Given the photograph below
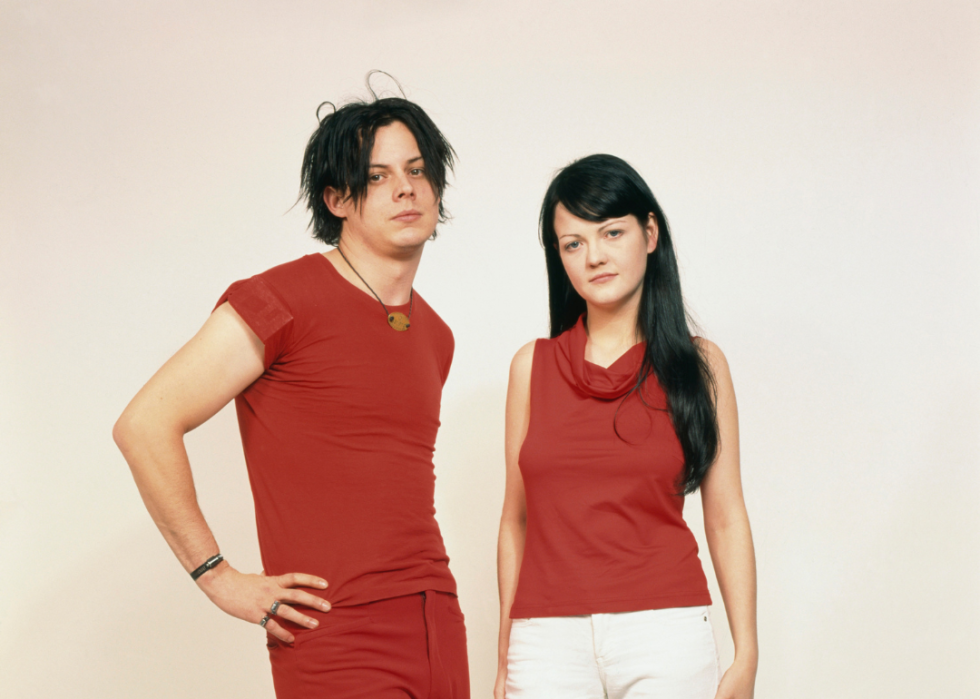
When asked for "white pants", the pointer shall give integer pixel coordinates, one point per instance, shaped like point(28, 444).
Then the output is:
point(662, 653)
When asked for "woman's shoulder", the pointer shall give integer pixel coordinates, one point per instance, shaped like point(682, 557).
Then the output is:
point(524, 355)
point(713, 355)
point(707, 347)
point(520, 365)
point(526, 350)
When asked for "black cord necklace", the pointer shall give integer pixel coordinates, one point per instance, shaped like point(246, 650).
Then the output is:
point(398, 321)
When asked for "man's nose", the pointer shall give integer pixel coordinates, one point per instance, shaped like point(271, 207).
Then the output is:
point(405, 187)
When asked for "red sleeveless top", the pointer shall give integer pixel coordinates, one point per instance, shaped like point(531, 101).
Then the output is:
point(605, 530)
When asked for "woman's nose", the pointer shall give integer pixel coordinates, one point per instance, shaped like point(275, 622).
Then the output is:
point(596, 255)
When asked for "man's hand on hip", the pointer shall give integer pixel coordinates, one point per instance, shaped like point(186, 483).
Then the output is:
point(253, 597)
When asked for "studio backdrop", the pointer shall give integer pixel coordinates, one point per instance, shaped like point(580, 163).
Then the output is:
point(817, 162)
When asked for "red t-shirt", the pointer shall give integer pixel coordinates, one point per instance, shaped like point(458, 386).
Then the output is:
point(605, 530)
point(339, 433)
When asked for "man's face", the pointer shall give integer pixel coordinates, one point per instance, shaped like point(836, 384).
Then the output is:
point(400, 210)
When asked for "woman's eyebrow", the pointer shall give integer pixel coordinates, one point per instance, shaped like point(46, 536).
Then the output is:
point(614, 222)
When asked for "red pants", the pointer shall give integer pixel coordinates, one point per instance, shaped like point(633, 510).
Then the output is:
point(405, 647)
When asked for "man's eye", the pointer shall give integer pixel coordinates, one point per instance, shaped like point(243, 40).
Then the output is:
point(375, 178)
point(417, 171)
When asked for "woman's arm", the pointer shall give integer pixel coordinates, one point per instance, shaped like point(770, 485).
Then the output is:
point(726, 526)
point(510, 543)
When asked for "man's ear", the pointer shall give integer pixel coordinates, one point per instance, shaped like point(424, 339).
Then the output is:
point(337, 202)
point(653, 233)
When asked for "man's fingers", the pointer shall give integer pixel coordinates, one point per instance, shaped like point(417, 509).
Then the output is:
point(306, 599)
point(302, 580)
point(291, 584)
point(287, 612)
point(279, 632)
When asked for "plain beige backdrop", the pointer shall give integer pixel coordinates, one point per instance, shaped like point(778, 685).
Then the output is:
point(819, 163)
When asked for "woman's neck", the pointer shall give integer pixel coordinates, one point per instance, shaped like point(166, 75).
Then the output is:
point(611, 332)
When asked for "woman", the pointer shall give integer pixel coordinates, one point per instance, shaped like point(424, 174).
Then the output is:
point(610, 422)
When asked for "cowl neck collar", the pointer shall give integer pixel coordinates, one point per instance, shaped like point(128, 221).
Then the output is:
point(591, 379)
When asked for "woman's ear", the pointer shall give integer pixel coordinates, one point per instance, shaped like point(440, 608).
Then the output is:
point(336, 202)
point(652, 231)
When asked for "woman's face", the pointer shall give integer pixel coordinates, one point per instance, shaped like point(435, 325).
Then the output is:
point(605, 260)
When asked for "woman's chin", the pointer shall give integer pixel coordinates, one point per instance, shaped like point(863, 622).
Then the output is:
point(608, 302)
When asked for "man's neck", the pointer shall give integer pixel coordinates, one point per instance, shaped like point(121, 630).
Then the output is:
point(390, 277)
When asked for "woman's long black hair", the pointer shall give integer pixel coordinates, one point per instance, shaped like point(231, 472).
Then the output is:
point(600, 187)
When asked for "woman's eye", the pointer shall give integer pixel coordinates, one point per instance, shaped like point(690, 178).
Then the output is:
point(614, 234)
point(572, 245)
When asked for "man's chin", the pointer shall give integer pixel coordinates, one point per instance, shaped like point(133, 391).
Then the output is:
point(411, 238)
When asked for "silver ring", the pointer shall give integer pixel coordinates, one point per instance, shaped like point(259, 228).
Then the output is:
point(274, 608)
point(265, 620)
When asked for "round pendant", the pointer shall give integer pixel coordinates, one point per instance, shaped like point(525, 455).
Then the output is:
point(399, 321)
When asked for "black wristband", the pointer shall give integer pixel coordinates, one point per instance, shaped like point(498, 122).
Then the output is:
point(206, 566)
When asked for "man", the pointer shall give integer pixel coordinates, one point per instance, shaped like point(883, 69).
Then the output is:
point(336, 367)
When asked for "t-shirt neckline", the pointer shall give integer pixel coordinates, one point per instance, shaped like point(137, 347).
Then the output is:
point(366, 295)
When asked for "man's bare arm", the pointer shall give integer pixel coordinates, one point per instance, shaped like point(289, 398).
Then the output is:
point(218, 363)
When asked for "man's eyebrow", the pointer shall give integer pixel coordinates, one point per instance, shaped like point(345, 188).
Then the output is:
point(385, 167)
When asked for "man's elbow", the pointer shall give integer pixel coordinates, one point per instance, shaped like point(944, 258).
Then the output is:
point(123, 432)
point(130, 429)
